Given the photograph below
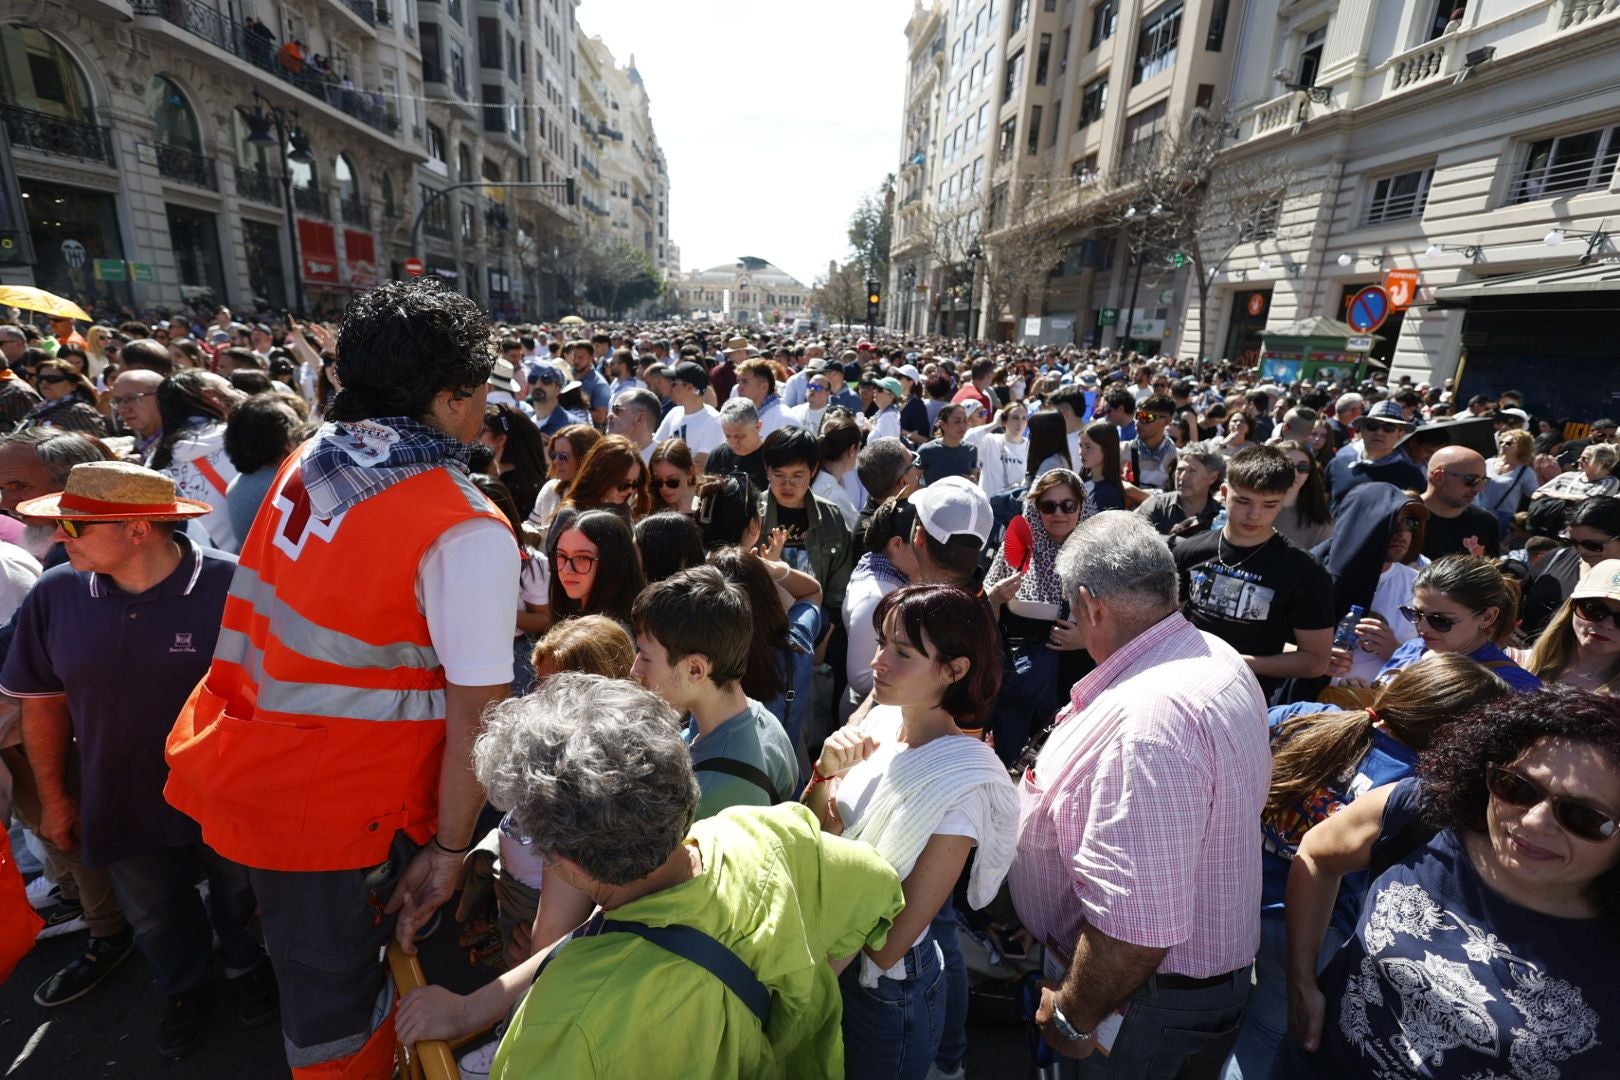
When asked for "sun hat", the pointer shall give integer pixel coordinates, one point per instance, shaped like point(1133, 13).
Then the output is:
point(115, 491)
point(736, 343)
point(952, 509)
point(503, 376)
point(1602, 581)
point(1387, 411)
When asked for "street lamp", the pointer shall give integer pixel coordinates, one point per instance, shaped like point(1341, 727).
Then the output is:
point(293, 144)
point(974, 254)
point(910, 279)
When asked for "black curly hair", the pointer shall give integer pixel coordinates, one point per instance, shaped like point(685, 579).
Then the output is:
point(1452, 770)
point(405, 341)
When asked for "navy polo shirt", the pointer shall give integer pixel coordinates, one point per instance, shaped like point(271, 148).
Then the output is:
point(127, 663)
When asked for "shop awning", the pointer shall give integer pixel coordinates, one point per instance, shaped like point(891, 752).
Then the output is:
point(1602, 276)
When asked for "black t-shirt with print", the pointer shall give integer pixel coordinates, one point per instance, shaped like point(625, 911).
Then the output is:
point(1253, 598)
point(1445, 536)
point(723, 461)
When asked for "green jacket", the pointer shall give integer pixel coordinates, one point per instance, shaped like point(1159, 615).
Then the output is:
point(827, 542)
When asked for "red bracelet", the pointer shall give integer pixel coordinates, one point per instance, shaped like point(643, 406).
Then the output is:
point(816, 777)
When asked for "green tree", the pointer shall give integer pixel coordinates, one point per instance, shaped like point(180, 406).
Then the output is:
point(871, 227)
point(622, 277)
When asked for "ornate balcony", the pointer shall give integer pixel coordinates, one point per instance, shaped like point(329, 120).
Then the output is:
point(311, 201)
point(259, 186)
point(178, 163)
point(54, 135)
point(355, 212)
point(363, 8)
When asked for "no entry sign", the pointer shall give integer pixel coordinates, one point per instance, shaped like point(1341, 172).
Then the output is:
point(414, 267)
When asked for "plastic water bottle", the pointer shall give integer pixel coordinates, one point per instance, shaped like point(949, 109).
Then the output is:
point(1219, 521)
point(1344, 635)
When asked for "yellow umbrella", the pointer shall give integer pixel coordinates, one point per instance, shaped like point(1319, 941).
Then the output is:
point(31, 299)
point(571, 320)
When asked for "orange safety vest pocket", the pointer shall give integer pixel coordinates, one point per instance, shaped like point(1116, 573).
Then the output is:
point(261, 772)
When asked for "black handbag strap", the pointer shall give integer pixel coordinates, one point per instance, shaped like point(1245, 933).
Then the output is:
point(713, 956)
point(742, 770)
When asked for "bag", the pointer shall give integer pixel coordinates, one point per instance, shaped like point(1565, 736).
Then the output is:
point(743, 771)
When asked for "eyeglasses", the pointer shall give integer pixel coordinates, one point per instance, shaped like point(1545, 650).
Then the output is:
point(1472, 480)
point(1378, 427)
point(1594, 610)
point(119, 402)
point(576, 564)
point(669, 483)
point(1573, 816)
point(1443, 624)
point(1594, 546)
point(1056, 506)
point(74, 527)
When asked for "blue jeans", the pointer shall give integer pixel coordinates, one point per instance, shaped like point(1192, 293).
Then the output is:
point(1265, 1021)
point(953, 1039)
point(158, 892)
point(892, 1030)
point(1029, 693)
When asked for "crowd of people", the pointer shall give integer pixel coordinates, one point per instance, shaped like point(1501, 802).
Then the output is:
point(750, 689)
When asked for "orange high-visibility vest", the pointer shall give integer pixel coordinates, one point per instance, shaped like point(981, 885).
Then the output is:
point(319, 728)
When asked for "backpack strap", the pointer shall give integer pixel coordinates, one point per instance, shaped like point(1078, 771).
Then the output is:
point(743, 771)
point(692, 944)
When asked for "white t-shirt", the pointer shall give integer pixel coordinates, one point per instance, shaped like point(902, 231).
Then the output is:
point(1394, 589)
point(18, 572)
point(861, 597)
point(1002, 464)
point(700, 430)
point(546, 504)
point(831, 488)
point(470, 572)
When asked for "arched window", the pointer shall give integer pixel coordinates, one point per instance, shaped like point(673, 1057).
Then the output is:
point(346, 179)
point(37, 73)
point(304, 175)
point(171, 112)
point(250, 156)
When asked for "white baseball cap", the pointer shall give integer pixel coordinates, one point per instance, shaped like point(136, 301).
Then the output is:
point(952, 507)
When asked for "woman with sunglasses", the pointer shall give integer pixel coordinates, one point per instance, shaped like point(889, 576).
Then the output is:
point(1024, 592)
point(611, 476)
point(594, 569)
point(1323, 757)
point(1304, 519)
point(1581, 646)
point(1590, 533)
point(1463, 604)
point(564, 453)
point(69, 400)
point(1510, 476)
point(1486, 945)
point(674, 476)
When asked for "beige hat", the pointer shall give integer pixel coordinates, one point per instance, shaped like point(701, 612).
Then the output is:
point(736, 343)
point(114, 491)
point(1602, 581)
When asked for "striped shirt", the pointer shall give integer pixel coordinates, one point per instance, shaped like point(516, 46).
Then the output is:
point(1141, 815)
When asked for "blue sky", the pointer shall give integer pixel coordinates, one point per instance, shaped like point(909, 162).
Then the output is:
point(774, 117)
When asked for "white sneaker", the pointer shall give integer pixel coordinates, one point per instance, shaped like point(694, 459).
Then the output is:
point(43, 892)
point(476, 1063)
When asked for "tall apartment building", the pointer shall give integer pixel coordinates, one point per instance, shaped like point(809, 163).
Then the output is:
point(1478, 151)
point(1028, 110)
point(634, 173)
point(144, 142)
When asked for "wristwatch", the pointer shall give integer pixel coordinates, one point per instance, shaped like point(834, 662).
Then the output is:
point(1068, 1030)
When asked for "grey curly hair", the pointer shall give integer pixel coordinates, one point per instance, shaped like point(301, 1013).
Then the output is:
point(594, 770)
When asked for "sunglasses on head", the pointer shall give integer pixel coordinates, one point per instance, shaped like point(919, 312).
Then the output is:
point(1573, 816)
point(1594, 546)
point(1443, 624)
point(1594, 610)
point(1057, 506)
point(74, 527)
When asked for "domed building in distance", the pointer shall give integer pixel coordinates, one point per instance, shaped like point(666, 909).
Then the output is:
point(750, 290)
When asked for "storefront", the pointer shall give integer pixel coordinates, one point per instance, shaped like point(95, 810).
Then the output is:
point(1549, 334)
point(194, 236)
point(1250, 308)
point(266, 275)
point(72, 229)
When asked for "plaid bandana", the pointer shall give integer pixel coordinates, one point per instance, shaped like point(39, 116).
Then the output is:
point(350, 462)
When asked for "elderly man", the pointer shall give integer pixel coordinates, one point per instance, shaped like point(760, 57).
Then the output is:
point(1456, 526)
point(595, 771)
point(634, 414)
point(1138, 858)
point(35, 462)
point(16, 396)
point(740, 423)
point(1376, 456)
point(135, 402)
point(88, 681)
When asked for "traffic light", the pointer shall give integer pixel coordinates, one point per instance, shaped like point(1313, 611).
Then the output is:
point(1179, 260)
point(874, 297)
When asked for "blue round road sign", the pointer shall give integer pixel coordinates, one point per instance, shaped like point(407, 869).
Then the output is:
point(1368, 309)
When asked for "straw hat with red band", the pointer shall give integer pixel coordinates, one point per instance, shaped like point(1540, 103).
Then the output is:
point(115, 491)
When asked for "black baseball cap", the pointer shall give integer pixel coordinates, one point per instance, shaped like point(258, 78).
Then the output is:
point(692, 374)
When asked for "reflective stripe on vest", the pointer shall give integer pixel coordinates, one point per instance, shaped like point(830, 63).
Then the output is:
point(324, 699)
point(323, 643)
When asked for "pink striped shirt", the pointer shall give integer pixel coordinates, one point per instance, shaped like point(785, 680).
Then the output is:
point(1142, 813)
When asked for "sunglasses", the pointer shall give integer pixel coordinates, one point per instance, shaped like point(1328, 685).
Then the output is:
point(577, 564)
point(52, 378)
point(1149, 417)
point(1411, 525)
point(1594, 546)
point(1055, 506)
point(669, 483)
point(1442, 623)
point(1594, 610)
point(1472, 480)
point(1575, 817)
point(627, 487)
point(74, 527)
point(1378, 427)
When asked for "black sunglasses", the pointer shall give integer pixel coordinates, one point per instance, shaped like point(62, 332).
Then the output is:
point(74, 527)
point(1442, 623)
point(1594, 546)
point(1575, 817)
point(1377, 426)
point(52, 377)
point(669, 483)
point(1594, 610)
point(1056, 506)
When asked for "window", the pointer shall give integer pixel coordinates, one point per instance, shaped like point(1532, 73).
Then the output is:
point(435, 141)
point(432, 53)
point(1084, 171)
point(1216, 37)
point(464, 165)
point(1063, 52)
point(1057, 124)
point(978, 172)
point(1262, 224)
point(1043, 59)
point(1567, 164)
point(1104, 19)
point(1441, 17)
point(1399, 197)
point(1009, 136)
point(1093, 99)
point(489, 44)
point(1142, 133)
point(458, 71)
point(1020, 15)
point(1014, 76)
point(1033, 142)
point(1310, 56)
point(1156, 43)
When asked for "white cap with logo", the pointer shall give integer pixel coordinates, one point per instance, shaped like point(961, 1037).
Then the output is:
point(953, 507)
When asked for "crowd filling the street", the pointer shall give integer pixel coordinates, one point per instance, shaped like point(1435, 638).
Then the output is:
point(752, 703)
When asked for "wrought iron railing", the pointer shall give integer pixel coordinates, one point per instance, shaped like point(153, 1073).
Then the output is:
point(363, 8)
point(258, 186)
point(311, 201)
point(355, 212)
point(199, 19)
point(178, 163)
point(436, 228)
point(54, 135)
